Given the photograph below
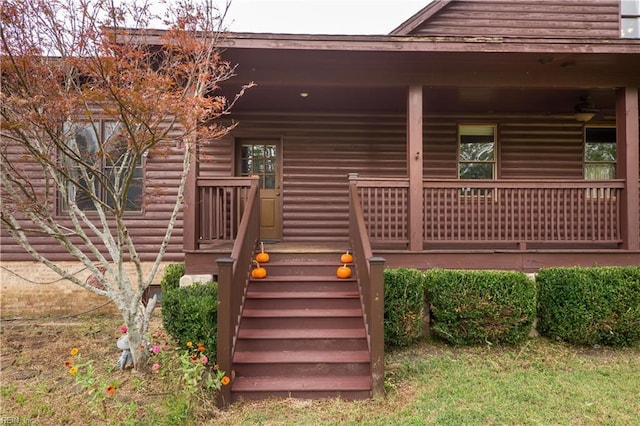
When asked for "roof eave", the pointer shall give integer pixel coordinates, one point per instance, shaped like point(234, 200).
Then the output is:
point(422, 15)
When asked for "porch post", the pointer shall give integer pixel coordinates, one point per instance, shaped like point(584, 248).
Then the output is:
point(414, 166)
point(628, 165)
point(224, 355)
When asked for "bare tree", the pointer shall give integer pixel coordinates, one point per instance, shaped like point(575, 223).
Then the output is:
point(88, 90)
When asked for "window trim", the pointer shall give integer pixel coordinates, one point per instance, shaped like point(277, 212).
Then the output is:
point(631, 15)
point(585, 162)
point(595, 193)
point(480, 192)
point(493, 162)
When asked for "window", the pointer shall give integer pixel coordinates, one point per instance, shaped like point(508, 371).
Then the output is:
point(630, 18)
point(102, 147)
point(600, 153)
point(260, 160)
point(477, 151)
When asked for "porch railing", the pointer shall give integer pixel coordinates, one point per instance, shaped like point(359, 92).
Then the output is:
point(503, 211)
point(232, 282)
point(370, 273)
point(220, 205)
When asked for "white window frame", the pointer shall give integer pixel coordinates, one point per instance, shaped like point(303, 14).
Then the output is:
point(630, 19)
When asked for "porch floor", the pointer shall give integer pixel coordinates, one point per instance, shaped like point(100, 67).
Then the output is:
point(529, 259)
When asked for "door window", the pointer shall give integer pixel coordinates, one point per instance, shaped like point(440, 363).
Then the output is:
point(259, 160)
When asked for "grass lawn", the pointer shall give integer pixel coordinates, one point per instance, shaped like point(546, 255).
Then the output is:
point(539, 382)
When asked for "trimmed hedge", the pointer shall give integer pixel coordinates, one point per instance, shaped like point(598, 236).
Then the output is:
point(588, 306)
point(478, 307)
point(171, 277)
point(403, 306)
point(191, 314)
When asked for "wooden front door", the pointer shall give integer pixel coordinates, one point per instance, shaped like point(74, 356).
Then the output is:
point(261, 157)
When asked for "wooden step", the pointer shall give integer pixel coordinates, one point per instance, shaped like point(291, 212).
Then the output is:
point(301, 333)
point(263, 387)
point(307, 357)
point(301, 343)
point(301, 294)
point(303, 268)
point(301, 322)
point(328, 285)
point(297, 278)
point(307, 383)
point(301, 313)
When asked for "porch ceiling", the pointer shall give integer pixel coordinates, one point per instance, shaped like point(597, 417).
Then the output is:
point(472, 82)
point(437, 100)
point(473, 68)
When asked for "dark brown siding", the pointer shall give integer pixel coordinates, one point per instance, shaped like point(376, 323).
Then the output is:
point(521, 18)
point(162, 173)
point(216, 157)
point(318, 154)
point(320, 151)
point(533, 148)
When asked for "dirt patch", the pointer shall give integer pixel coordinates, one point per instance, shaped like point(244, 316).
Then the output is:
point(37, 386)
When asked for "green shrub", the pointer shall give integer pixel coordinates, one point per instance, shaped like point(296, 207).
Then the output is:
point(190, 314)
point(477, 307)
point(403, 306)
point(171, 277)
point(588, 306)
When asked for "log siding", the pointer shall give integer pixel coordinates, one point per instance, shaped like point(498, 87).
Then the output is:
point(580, 19)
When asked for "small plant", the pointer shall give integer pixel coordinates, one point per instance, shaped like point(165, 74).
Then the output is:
point(171, 277)
point(191, 314)
point(188, 367)
point(98, 390)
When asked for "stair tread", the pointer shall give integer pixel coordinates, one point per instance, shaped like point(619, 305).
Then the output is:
point(304, 278)
point(301, 294)
point(303, 262)
point(302, 333)
point(301, 383)
point(334, 356)
point(304, 312)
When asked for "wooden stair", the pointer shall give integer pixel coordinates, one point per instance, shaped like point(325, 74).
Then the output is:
point(302, 333)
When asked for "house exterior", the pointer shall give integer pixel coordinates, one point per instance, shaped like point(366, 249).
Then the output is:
point(461, 126)
point(478, 134)
point(407, 112)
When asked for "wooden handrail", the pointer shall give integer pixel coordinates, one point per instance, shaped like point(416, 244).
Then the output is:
point(233, 275)
point(370, 274)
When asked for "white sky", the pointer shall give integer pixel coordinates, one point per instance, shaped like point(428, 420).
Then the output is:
point(320, 16)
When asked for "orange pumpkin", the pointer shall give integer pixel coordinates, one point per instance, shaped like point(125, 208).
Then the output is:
point(343, 272)
point(262, 257)
point(258, 272)
point(346, 258)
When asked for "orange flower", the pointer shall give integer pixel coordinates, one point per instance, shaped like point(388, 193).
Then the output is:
point(111, 390)
point(201, 348)
point(68, 363)
point(225, 380)
point(74, 351)
point(73, 371)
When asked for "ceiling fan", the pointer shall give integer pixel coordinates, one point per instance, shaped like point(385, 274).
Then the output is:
point(585, 110)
